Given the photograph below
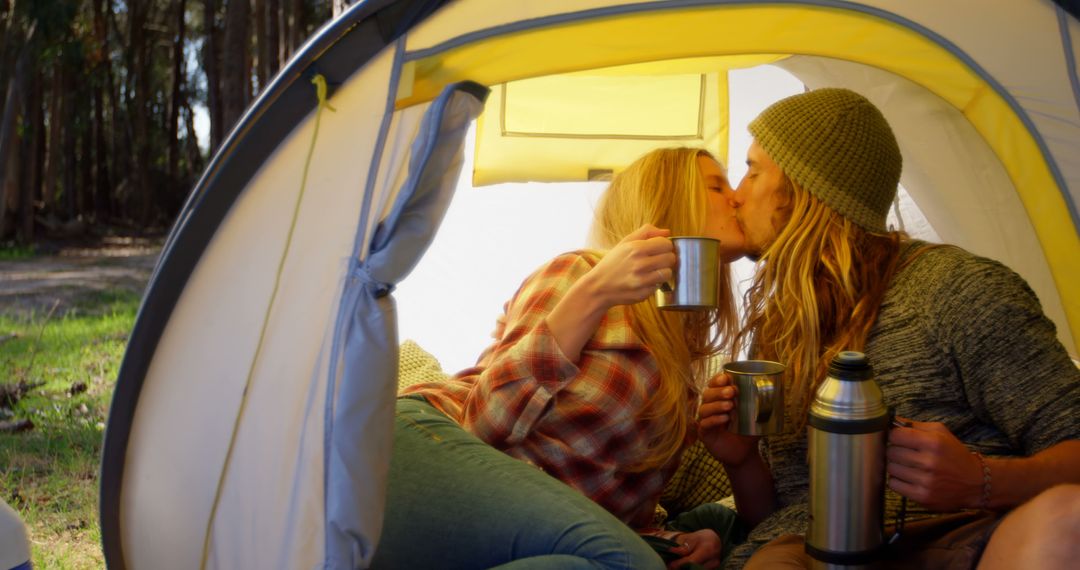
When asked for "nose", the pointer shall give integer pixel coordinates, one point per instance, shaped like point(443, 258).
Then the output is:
point(738, 198)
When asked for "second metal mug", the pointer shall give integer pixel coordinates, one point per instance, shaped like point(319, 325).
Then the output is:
point(759, 406)
point(695, 281)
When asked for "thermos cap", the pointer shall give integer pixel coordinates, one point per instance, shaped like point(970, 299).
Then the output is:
point(851, 366)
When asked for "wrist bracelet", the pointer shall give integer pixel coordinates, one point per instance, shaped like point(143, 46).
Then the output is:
point(984, 503)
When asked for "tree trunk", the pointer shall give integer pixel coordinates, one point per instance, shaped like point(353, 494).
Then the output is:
point(13, 97)
point(8, 37)
point(234, 70)
point(140, 113)
point(298, 29)
point(87, 206)
point(213, 78)
point(9, 186)
point(54, 142)
point(193, 156)
point(101, 157)
point(120, 134)
point(284, 16)
point(34, 163)
point(172, 126)
point(103, 83)
point(262, 49)
point(249, 60)
point(273, 37)
point(68, 135)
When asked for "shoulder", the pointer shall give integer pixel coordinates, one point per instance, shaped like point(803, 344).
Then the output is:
point(561, 271)
point(542, 290)
point(549, 282)
point(949, 273)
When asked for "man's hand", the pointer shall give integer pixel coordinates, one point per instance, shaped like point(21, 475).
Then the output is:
point(714, 416)
point(699, 547)
point(928, 464)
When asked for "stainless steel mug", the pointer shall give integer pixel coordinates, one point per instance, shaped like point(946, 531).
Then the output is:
point(696, 279)
point(847, 432)
point(759, 406)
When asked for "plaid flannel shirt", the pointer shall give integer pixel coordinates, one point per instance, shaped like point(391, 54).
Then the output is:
point(575, 421)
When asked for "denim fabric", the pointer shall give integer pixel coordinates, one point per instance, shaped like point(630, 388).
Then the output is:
point(456, 502)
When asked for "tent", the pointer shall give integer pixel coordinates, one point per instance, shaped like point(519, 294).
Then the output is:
point(250, 423)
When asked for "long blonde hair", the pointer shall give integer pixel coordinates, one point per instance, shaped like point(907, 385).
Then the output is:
point(817, 292)
point(666, 188)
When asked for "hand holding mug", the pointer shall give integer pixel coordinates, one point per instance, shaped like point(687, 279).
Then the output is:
point(632, 270)
point(715, 416)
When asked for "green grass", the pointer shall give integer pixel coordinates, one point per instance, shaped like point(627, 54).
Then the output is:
point(49, 473)
point(12, 252)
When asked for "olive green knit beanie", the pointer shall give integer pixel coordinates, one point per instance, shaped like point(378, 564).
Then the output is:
point(838, 146)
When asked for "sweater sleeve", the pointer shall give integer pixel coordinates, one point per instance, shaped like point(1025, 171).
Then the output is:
point(1015, 373)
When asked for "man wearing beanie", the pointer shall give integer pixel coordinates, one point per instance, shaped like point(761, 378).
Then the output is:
point(958, 343)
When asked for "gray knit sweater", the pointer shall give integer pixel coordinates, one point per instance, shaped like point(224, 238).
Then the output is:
point(961, 340)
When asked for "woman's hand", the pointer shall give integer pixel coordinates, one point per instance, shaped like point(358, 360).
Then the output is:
point(701, 547)
point(715, 415)
point(632, 270)
point(629, 273)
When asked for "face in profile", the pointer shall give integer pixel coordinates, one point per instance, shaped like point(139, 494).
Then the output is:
point(720, 222)
point(760, 201)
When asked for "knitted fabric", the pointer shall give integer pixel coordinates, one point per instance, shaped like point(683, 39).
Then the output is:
point(960, 340)
point(837, 145)
point(416, 366)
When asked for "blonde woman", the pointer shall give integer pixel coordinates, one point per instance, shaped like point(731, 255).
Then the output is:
point(553, 450)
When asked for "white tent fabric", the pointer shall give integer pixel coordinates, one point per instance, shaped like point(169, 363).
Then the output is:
point(250, 422)
point(205, 379)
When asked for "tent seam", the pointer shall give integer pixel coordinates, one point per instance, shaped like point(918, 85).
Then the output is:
point(1070, 59)
point(320, 83)
point(354, 263)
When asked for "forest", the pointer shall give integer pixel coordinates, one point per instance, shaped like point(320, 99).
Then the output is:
point(101, 103)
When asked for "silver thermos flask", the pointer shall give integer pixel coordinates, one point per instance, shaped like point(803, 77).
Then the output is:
point(847, 430)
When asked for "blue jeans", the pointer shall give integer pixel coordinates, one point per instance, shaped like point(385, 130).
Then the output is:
point(456, 502)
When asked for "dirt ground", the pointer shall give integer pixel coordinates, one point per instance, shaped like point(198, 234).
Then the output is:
point(75, 273)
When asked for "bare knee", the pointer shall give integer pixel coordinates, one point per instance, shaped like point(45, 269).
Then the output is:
point(1055, 508)
point(1042, 533)
point(1065, 495)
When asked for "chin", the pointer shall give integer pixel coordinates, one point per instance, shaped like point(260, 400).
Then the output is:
point(754, 254)
point(731, 256)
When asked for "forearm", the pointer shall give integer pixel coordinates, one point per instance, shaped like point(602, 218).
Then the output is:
point(576, 317)
point(752, 485)
point(1014, 481)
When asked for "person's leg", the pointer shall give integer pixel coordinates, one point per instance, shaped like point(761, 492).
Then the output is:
point(787, 551)
point(1042, 533)
point(722, 520)
point(456, 502)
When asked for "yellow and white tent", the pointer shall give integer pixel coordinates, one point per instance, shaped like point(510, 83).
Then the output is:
point(250, 427)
